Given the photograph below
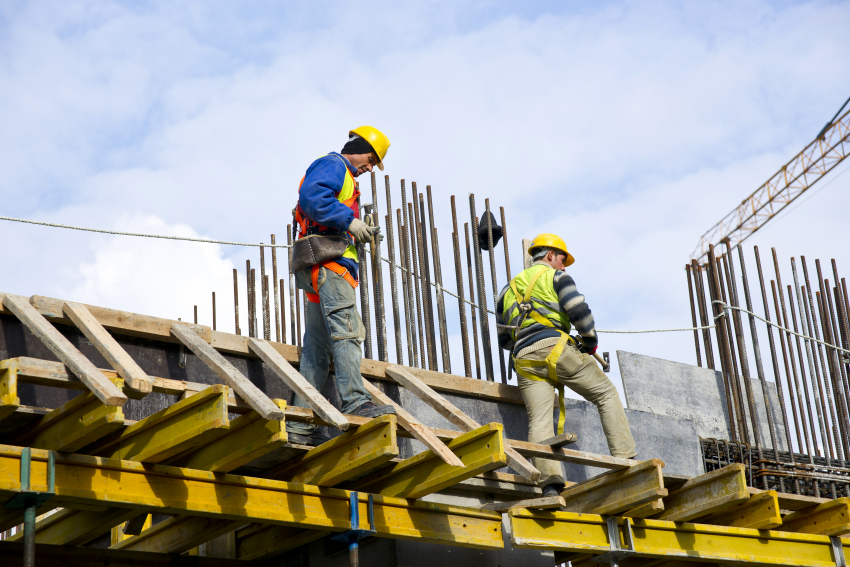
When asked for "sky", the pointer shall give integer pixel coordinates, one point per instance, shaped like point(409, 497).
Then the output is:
point(628, 128)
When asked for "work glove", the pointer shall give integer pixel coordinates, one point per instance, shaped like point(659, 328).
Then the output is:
point(361, 231)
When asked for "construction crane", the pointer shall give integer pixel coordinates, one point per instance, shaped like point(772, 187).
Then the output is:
point(826, 151)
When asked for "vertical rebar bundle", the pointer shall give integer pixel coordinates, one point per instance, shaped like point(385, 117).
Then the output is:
point(236, 302)
point(277, 310)
point(482, 293)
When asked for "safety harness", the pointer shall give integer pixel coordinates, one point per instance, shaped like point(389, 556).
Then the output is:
point(335, 268)
point(527, 309)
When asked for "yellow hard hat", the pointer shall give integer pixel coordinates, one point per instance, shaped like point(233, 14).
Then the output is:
point(376, 139)
point(551, 241)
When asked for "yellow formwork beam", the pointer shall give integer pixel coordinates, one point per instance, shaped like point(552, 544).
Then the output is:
point(78, 422)
point(352, 454)
point(760, 512)
point(249, 437)
point(170, 490)
point(830, 518)
point(257, 542)
point(178, 534)
point(673, 541)
point(481, 450)
point(709, 493)
point(77, 527)
point(9, 401)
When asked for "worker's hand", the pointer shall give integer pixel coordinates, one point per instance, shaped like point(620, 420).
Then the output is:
point(361, 231)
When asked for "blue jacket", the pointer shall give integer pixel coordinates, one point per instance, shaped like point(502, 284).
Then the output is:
point(317, 197)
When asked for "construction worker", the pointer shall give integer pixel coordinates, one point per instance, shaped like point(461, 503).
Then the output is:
point(329, 206)
point(535, 312)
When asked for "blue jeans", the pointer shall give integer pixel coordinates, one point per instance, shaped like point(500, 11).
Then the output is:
point(334, 332)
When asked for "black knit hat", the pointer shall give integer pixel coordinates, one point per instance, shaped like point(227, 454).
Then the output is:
point(488, 220)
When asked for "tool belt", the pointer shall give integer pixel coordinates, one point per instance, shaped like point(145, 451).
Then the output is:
point(315, 249)
point(551, 361)
point(335, 268)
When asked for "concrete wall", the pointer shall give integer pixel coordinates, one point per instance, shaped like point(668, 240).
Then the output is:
point(692, 393)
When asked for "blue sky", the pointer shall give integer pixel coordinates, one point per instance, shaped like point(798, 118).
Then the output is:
point(628, 128)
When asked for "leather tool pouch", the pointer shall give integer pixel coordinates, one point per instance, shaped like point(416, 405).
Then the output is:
point(315, 249)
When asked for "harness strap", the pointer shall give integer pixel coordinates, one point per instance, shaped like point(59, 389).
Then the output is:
point(525, 299)
point(335, 268)
point(551, 362)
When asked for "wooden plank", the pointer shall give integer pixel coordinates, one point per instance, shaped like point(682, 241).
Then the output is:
point(298, 384)
point(65, 351)
point(170, 490)
point(645, 510)
point(80, 421)
point(186, 425)
point(831, 518)
point(228, 373)
point(710, 493)
point(77, 527)
point(760, 512)
point(178, 534)
point(135, 379)
point(350, 455)
point(542, 503)
point(456, 416)
point(615, 492)
point(9, 400)
point(424, 434)
point(480, 450)
point(528, 449)
point(561, 440)
point(267, 541)
point(249, 437)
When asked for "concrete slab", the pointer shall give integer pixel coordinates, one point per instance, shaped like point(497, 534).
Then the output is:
point(689, 392)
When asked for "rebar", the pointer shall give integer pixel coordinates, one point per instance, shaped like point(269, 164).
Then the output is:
point(364, 300)
point(417, 284)
point(841, 315)
point(412, 281)
point(461, 304)
point(424, 279)
point(248, 289)
point(438, 279)
point(693, 313)
point(293, 310)
point(196, 314)
point(277, 310)
point(425, 259)
point(489, 217)
point(836, 378)
point(734, 377)
point(720, 330)
point(399, 352)
point(297, 293)
point(256, 329)
point(378, 279)
point(697, 271)
point(409, 315)
point(505, 244)
point(236, 302)
point(213, 310)
point(267, 334)
point(282, 315)
point(472, 297)
point(482, 293)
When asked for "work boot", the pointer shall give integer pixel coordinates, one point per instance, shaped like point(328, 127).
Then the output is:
point(313, 440)
point(552, 490)
point(369, 409)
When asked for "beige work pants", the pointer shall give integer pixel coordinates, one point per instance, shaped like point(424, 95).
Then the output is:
point(582, 375)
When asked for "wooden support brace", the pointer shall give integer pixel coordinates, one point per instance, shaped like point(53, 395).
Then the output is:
point(480, 450)
point(456, 416)
point(830, 518)
point(542, 503)
point(137, 384)
point(710, 493)
point(261, 541)
point(560, 440)
point(248, 437)
point(80, 421)
point(178, 534)
point(760, 512)
point(186, 425)
point(645, 510)
point(77, 527)
point(228, 373)
point(298, 383)
point(9, 400)
point(618, 491)
point(424, 434)
point(528, 449)
point(351, 455)
point(94, 379)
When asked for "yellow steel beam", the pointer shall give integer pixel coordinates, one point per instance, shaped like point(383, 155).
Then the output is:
point(178, 534)
point(760, 512)
point(171, 490)
point(78, 422)
point(830, 518)
point(9, 400)
point(188, 424)
point(356, 452)
point(481, 450)
point(672, 541)
point(77, 527)
point(249, 437)
point(710, 493)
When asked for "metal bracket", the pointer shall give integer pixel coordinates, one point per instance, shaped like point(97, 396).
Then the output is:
point(838, 551)
point(354, 533)
point(27, 497)
point(607, 359)
point(613, 557)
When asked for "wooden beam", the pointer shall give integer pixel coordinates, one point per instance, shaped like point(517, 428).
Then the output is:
point(760, 512)
point(424, 434)
point(248, 437)
point(561, 440)
point(830, 519)
point(65, 351)
point(228, 373)
point(542, 503)
point(80, 421)
point(135, 380)
point(178, 534)
point(455, 416)
point(710, 493)
point(9, 400)
point(480, 450)
point(354, 453)
point(261, 541)
point(68, 556)
point(298, 384)
point(618, 491)
point(77, 527)
point(527, 449)
point(170, 490)
point(646, 510)
point(186, 425)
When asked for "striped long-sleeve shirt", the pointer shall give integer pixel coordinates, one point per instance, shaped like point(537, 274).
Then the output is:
point(571, 302)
